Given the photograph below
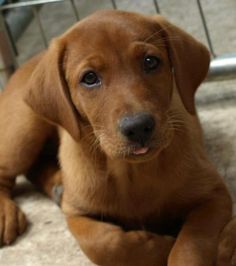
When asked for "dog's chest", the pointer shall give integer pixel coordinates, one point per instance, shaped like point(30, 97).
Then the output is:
point(124, 192)
point(134, 204)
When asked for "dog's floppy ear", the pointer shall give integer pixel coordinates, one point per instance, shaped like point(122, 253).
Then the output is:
point(189, 58)
point(47, 91)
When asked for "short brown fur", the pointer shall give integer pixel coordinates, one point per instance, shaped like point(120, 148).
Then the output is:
point(165, 207)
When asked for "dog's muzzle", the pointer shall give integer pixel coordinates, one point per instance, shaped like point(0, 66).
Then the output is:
point(137, 128)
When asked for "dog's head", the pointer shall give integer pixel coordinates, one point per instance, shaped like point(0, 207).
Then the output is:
point(114, 72)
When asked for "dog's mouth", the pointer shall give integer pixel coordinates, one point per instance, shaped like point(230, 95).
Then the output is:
point(130, 151)
point(145, 152)
point(140, 151)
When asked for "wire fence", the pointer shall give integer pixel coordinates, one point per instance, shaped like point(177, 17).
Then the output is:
point(222, 67)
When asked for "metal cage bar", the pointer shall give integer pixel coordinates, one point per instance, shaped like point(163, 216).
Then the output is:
point(76, 14)
point(114, 5)
point(28, 3)
point(204, 23)
point(156, 6)
point(8, 62)
point(40, 25)
point(222, 68)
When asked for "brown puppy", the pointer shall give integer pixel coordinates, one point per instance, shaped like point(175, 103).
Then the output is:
point(138, 186)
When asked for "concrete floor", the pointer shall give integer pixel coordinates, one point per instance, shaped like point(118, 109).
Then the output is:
point(47, 241)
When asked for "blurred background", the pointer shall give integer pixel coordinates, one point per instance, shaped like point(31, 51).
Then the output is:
point(26, 27)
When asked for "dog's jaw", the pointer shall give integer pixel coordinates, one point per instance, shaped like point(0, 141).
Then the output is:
point(117, 148)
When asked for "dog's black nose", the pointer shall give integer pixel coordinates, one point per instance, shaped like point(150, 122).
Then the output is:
point(138, 127)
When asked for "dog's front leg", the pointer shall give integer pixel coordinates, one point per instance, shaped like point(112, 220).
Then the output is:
point(196, 244)
point(108, 245)
point(227, 245)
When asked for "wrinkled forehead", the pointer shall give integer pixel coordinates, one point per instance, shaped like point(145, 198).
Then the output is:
point(111, 29)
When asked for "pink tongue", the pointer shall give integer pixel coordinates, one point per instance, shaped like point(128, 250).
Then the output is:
point(141, 150)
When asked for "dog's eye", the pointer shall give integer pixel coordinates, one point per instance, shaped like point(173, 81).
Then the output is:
point(90, 80)
point(151, 63)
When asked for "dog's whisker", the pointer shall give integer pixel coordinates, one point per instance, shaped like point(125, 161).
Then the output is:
point(156, 33)
point(161, 37)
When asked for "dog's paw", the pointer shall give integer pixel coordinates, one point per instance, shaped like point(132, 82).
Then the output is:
point(148, 238)
point(227, 245)
point(147, 248)
point(233, 260)
point(226, 257)
point(12, 221)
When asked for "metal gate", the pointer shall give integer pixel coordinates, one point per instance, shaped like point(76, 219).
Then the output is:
point(222, 66)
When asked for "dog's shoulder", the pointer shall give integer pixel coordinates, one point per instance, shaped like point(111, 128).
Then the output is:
point(19, 79)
